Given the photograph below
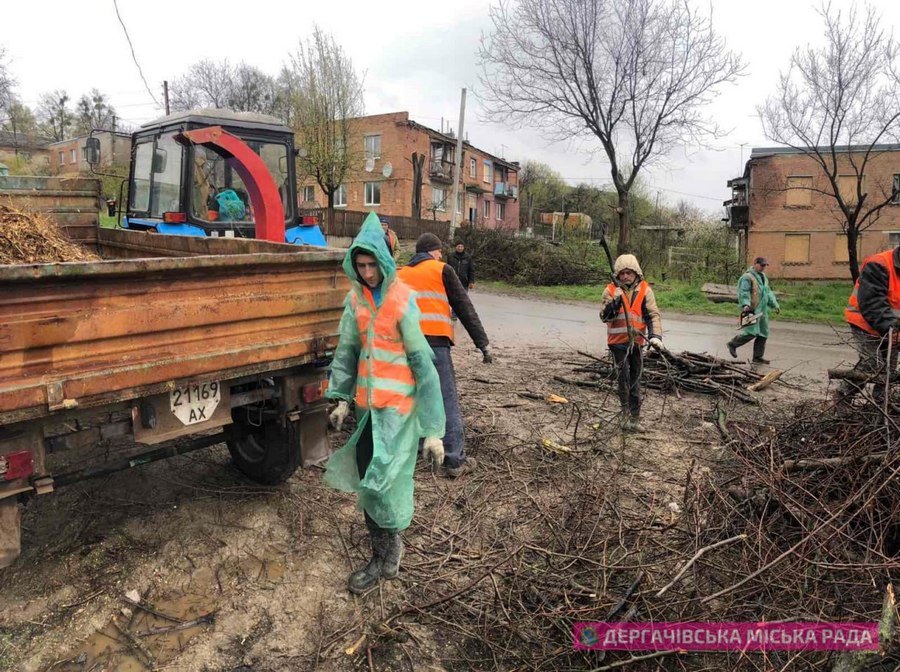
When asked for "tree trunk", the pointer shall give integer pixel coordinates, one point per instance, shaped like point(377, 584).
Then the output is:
point(329, 213)
point(852, 256)
point(623, 245)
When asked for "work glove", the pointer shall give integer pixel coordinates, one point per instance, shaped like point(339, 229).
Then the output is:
point(435, 447)
point(612, 309)
point(746, 310)
point(487, 357)
point(339, 414)
point(657, 344)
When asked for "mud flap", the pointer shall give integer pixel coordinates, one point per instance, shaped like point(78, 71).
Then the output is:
point(10, 530)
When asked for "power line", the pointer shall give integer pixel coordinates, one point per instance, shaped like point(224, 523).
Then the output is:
point(133, 56)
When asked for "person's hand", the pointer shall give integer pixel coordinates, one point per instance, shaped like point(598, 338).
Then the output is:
point(472, 286)
point(778, 309)
point(434, 447)
point(746, 310)
point(657, 344)
point(339, 414)
point(612, 309)
point(487, 357)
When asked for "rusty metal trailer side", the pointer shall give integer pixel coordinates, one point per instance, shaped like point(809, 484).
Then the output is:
point(82, 335)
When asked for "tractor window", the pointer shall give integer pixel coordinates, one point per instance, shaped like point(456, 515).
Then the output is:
point(219, 195)
point(156, 186)
point(140, 190)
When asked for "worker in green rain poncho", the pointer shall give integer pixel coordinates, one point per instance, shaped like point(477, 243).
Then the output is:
point(756, 299)
point(384, 364)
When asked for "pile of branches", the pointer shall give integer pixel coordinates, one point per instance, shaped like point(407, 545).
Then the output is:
point(688, 372)
point(532, 261)
point(32, 238)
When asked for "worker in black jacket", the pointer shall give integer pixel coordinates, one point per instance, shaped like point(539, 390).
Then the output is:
point(873, 312)
point(438, 290)
point(461, 262)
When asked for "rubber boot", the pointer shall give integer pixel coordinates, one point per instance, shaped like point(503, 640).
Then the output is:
point(390, 568)
point(363, 579)
point(634, 425)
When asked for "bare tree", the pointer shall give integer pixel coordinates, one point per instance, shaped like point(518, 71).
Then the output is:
point(252, 90)
point(839, 105)
point(328, 95)
point(7, 83)
point(94, 111)
point(20, 123)
point(54, 114)
point(243, 88)
point(634, 74)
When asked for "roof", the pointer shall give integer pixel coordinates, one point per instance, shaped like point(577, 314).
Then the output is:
point(23, 141)
point(760, 152)
point(212, 117)
point(120, 134)
point(452, 140)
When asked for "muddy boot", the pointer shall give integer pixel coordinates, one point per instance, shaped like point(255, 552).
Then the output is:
point(363, 579)
point(392, 555)
point(634, 424)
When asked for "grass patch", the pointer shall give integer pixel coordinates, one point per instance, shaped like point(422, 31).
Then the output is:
point(800, 301)
point(107, 222)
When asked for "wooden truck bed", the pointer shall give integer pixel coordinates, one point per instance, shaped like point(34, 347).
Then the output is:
point(157, 312)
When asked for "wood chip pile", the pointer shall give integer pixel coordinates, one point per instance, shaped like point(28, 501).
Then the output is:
point(32, 238)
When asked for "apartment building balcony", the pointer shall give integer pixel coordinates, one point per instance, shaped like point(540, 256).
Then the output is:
point(505, 190)
point(440, 171)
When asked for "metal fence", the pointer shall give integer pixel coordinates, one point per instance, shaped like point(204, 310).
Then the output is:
point(347, 223)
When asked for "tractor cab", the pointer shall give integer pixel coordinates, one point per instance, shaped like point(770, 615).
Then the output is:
point(216, 173)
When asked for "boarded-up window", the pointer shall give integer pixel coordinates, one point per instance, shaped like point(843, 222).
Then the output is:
point(796, 248)
point(841, 253)
point(798, 192)
point(847, 187)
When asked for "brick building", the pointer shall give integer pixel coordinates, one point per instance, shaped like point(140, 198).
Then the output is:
point(67, 156)
point(488, 195)
point(778, 209)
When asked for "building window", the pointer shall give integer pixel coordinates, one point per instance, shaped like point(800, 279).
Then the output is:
point(894, 238)
point(847, 186)
point(487, 209)
point(796, 248)
point(340, 197)
point(373, 193)
point(439, 199)
point(473, 168)
point(373, 146)
point(62, 158)
point(895, 193)
point(459, 203)
point(841, 253)
point(488, 172)
point(309, 193)
point(501, 210)
point(72, 156)
point(798, 190)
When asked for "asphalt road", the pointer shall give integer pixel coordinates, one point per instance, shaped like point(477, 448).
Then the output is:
point(804, 349)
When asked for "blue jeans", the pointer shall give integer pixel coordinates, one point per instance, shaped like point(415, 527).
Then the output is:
point(455, 438)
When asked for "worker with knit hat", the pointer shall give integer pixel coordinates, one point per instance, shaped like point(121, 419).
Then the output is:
point(438, 291)
point(629, 309)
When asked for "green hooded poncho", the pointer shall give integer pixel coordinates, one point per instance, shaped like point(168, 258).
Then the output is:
point(754, 291)
point(386, 491)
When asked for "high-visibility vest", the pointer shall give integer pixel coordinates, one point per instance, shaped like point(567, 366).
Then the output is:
point(617, 330)
point(852, 313)
point(426, 280)
point(384, 378)
point(394, 241)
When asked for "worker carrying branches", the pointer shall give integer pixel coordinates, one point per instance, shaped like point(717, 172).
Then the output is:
point(629, 309)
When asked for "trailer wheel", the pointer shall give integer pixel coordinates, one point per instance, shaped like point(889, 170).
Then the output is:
point(269, 453)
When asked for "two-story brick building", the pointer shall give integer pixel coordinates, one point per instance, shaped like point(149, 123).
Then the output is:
point(778, 207)
point(67, 156)
point(383, 182)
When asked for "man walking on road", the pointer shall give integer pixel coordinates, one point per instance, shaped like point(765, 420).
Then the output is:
point(632, 318)
point(383, 361)
point(461, 262)
point(390, 238)
point(438, 290)
point(755, 297)
point(873, 313)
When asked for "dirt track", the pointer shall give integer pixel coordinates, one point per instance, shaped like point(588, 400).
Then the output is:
point(192, 539)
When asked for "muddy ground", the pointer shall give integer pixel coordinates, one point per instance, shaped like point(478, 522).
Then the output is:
point(496, 564)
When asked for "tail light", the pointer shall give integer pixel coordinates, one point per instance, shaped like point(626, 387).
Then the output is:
point(314, 391)
point(174, 217)
point(16, 465)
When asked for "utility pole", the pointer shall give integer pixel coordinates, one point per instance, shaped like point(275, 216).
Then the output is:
point(112, 151)
point(456, 166)
point(166, 95)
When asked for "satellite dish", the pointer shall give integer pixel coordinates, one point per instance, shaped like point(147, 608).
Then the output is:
point(370, 165)
point(387, 170)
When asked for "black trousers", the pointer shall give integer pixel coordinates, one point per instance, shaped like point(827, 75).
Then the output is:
point(365, 447)
point(759, 345)
point(629, 367)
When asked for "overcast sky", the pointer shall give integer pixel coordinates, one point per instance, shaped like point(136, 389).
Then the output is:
point(415, 59)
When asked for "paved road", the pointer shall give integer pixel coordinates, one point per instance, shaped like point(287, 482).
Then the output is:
point(806, 349)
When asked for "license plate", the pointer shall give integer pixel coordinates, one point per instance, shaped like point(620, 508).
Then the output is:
point(195, 403)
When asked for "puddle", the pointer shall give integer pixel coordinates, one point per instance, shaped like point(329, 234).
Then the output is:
point(137, 640)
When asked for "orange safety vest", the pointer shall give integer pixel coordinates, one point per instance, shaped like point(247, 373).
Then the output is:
point(384, 378)
point(426, 280)
point(852, 313)
point(617, 330)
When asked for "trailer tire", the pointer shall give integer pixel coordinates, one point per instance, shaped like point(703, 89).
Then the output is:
point(268, 454)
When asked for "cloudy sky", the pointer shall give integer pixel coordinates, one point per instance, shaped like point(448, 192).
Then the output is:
point(416, 57)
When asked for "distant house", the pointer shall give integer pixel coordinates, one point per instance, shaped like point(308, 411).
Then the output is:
point(383, 182)
point(67, 156)
point(779, 212)
point(25, 147)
